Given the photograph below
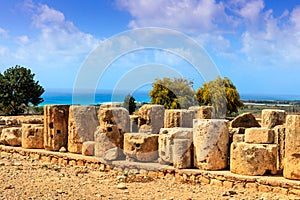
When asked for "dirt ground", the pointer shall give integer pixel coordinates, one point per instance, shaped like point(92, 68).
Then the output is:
point(32, 179)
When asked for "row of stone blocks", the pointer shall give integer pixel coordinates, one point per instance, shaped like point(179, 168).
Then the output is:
point(204, 146)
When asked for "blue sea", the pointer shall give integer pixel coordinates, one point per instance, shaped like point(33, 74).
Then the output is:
point(54, 97)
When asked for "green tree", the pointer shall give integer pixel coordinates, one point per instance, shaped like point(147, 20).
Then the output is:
point(222, 94)
point(173, 93)
point(129, 103)
point(18, 89)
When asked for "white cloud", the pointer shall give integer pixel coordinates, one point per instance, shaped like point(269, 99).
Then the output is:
point(187, 15)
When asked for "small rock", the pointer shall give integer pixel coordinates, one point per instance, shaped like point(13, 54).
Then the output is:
point(232, 192)
point(62, 150)
point(121, 186)
point(17, 164)
point(121, 178)
point(2, 163)
point(60, 191)
point(8, 187)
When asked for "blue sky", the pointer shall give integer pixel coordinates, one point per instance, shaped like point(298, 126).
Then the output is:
point(256, 43)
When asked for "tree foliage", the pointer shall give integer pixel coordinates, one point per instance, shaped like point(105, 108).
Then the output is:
point(18, 89)
point(129, 103)
point(222, 94)
point(173, 93)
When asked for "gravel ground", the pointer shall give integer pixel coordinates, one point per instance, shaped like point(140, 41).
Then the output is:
point(31, 179)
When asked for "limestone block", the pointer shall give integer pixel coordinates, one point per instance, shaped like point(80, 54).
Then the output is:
point(203, 112)
point(272, 118)
point(33, 136)
point(88, 148)
point(166, 142)
point(211, 138)
point(279, 139)
point(134, 123)
point(82, 125)
point(291, 169)
point(11, 136)
point(245, 120)
point(141, 146)
point(259, 135)
point(114, 116)
point(182, 153)
point(179, 118)
point(55, 126)
point(253, 159)
point(107, 139)
point(152, 117)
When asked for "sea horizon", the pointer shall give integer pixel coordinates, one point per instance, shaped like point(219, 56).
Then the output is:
point(105, 96)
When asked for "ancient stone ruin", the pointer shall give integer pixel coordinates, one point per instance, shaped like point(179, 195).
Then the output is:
point(182, 139)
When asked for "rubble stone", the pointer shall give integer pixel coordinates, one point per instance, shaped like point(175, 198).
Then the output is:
point(253, 159)
point(291, 169)
point(33, 136)
point(141, 146)
point(272, 118)
point(245, 120)
point(151, 118)
point(179, 118)
point(82, 125)
point(211, 140)
point(55, 126)
point(166, 142)
point(259, 135)
point(203, 112)
point(11, 136)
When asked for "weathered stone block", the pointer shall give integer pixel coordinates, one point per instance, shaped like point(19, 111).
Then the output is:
point(88, 148)
point(117, 116)
point(279, 139)
point(151, 118)
point(291, 169)
point(259, 135)
point(166, 142)
point(11, 136)
point(55, 126)
point(245, 120)
point(203, 112)
point(107, 139)
point(82, 125)
point(182, 156)
point(211, 138)
point(32, 119)
point(141, 146)
point(113, 154)
point(179, 118)
point(238, 138)
point(134, 123)
point(33, 136)
point(272, 118)
point(253, 159)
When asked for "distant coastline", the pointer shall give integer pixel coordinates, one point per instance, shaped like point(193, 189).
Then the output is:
point(65, 97)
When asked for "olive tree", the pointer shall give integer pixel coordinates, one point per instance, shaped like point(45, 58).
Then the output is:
point(176, 93)
point(222, 94)
point(18, 89)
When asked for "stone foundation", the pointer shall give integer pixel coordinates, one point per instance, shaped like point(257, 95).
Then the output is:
point(272, 184)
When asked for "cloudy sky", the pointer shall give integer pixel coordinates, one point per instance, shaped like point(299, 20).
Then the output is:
point(256, 43)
